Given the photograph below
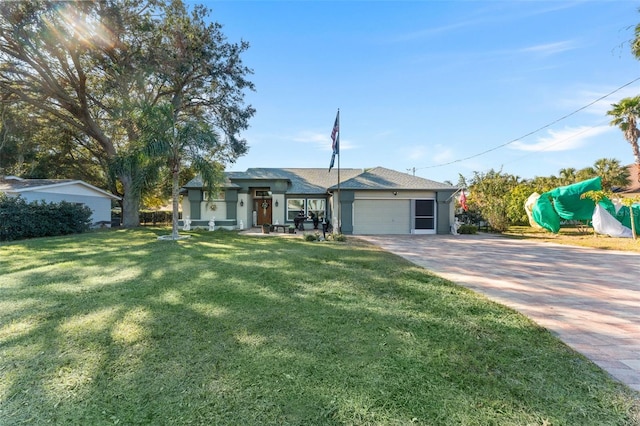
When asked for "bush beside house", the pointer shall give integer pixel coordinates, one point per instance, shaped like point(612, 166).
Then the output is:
point(20, 219)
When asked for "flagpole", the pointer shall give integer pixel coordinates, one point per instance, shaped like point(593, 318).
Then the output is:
point(339, 206)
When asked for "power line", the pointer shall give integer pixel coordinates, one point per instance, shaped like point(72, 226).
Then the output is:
point(533, 132)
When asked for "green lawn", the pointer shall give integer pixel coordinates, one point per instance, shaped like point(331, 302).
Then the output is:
point(116, 327)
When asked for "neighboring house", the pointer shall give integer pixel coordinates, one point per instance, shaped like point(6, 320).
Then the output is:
point(57, 190)
point(375, 201)
point(633, 189)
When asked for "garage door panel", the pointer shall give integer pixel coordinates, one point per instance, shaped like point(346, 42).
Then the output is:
point(382, 216)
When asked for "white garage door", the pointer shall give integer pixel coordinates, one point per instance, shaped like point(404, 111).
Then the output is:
point(382, 217)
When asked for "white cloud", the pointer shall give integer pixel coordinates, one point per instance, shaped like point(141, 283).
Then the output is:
point(550, 48)
point(442, 154)
point(416, 152)
point(567, 139)
point(322, 141)
point(436, 154)
point(428, 32)
point(312, 138)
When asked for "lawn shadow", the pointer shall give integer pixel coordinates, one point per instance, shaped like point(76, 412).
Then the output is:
point(229, 329)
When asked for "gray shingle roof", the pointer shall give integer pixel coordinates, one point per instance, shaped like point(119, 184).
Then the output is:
point(381, 178)
point(11, 184)
point(317, 181)
point(303, 181)
point(196, 183)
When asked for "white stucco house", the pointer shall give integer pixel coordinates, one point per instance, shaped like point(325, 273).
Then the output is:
point(57, 190)
point(373, 201)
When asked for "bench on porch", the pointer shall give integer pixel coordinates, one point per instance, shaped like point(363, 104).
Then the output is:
point(285, 228)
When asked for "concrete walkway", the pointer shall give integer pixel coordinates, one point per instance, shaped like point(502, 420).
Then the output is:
point(589, 298)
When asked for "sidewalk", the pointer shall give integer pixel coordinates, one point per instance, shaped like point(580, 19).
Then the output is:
point(589, 298)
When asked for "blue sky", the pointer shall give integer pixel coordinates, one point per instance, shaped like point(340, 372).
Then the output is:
point(431, 85)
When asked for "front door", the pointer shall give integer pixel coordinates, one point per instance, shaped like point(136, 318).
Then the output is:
point(263, 210)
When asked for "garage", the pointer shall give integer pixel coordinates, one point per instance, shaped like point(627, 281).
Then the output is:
point(381, 216)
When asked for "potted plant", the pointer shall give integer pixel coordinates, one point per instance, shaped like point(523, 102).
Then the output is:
point(266, 228)
point(292, 229)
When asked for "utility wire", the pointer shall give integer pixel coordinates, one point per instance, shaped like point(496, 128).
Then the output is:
point(533, 132)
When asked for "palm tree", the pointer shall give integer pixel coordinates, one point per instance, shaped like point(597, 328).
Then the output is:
point(635, 44)
point(585, 173)
point(611, 173)
point(178, 142)
point(567, 176)
point(625, 115)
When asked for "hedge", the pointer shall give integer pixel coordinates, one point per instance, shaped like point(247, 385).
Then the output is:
point(155, 216)
point(20, 219)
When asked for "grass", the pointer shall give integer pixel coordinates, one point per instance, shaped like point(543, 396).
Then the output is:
point(573, 236)
point(116, 327)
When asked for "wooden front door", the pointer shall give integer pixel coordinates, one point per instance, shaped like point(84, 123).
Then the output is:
point(263, 209)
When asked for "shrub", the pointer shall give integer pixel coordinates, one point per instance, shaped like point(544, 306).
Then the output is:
point(310, 237)
point(468, 229)
point(337, 237)
point(155, 216)
point(20, 220)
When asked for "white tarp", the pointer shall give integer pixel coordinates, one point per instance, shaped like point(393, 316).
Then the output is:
point(528, 208)
point(605, 224)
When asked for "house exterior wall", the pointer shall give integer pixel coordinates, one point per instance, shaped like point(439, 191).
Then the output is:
point(186, 208)
point(244, 212)
point(387, 194)
point(214, 209)
point(279, 212)
point(445, 211)
point(224, 211)
point(345, 204)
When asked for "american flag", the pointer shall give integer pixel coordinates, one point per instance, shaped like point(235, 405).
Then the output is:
point(335, 140)
point(463, 201)
point(335, 135)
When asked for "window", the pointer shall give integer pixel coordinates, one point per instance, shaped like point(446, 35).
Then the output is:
point(317, 206)
point(294, 205)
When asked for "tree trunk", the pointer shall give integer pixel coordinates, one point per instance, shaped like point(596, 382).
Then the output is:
point(175, 188)
point(130, 203)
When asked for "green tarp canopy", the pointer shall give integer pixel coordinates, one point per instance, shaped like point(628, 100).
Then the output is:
point(624, 216)
point(565, 203)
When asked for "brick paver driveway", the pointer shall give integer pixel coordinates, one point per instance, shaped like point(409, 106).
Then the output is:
point(589, 298)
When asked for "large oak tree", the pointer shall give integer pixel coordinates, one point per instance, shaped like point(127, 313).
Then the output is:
point(98, 66)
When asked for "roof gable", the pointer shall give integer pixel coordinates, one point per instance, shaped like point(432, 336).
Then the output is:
point(14, 185)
